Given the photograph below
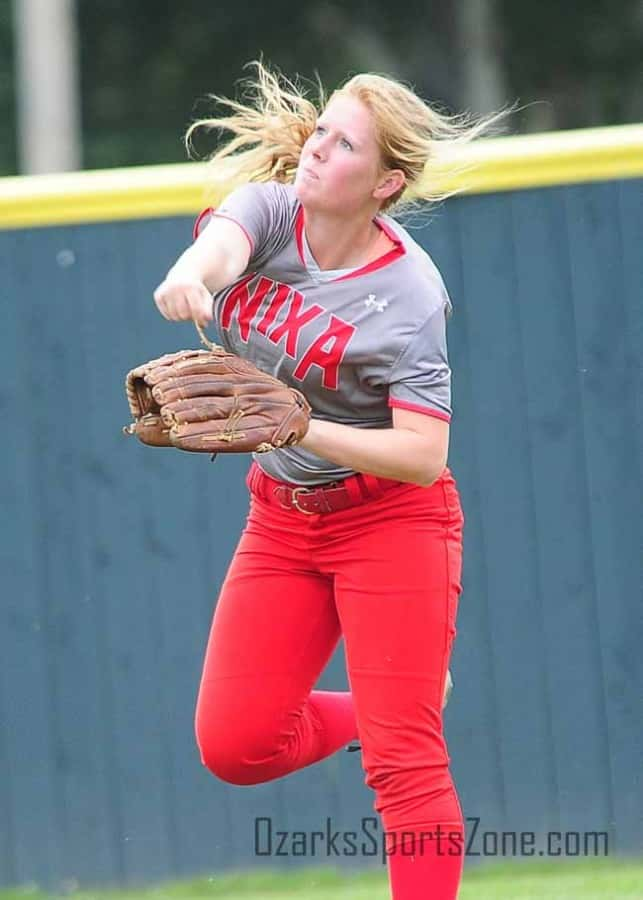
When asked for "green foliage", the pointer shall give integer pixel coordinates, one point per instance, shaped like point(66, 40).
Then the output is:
point(147, 73)
point(146, 69)
point(8, 160)
point(586, 56)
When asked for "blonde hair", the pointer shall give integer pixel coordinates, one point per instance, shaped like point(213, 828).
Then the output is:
point(274, 118)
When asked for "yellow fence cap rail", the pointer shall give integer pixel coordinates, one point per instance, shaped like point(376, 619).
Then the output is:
point(491, 164)
point(546, 159)
point(103, 195)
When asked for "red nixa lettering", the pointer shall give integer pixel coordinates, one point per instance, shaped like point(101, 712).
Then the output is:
point(275, 304)
point(248, 305)
point(294, 322)
point(328, 358)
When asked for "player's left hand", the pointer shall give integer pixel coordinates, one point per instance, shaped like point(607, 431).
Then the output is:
point(212, 401)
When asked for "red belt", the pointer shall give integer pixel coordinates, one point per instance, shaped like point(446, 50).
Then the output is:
point(331, 497)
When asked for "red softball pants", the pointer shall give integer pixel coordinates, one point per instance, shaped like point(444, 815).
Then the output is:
point(385, 575)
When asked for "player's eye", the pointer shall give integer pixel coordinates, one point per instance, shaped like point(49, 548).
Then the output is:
point(346, 143)
point(319, 129)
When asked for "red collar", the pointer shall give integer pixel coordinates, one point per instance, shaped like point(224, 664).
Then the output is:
point(393, 254)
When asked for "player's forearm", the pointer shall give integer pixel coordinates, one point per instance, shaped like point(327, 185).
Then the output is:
point(395, 453)
point(212, 269)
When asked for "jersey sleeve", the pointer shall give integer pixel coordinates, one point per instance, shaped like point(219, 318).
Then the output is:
point(420, 378)
point(260, 209)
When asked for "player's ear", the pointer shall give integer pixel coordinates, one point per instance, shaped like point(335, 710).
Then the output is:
point(390, 182)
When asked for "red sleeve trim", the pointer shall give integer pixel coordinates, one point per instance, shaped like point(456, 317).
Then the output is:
point(197, 225)
point(426, 410)
point(247, 233)
point(212, 213)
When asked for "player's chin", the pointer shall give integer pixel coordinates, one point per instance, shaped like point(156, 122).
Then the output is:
point(305, 190)
point(315, 199)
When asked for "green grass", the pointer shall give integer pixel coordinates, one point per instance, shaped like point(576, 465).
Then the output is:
point(566, 880)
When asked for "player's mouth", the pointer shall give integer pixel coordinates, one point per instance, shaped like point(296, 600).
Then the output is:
point(309, 173)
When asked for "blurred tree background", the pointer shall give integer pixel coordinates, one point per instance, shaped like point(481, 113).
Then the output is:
point(145, 67)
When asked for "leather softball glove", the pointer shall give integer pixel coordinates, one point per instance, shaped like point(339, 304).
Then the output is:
point(212, 401)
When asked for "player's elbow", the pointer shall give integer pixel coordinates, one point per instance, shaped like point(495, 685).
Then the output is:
point(426, 480)
point(426, 445)
point(431, 469)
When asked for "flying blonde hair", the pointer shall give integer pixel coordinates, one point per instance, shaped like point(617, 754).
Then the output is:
point(274, 118)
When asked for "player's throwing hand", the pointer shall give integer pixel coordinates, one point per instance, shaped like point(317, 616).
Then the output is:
point(184, 300)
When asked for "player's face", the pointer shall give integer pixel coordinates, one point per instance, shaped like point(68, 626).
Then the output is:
point(340, 162)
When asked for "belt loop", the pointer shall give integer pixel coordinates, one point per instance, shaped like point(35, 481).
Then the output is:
point(253, 478)
point(370, 485)
point(352, 486)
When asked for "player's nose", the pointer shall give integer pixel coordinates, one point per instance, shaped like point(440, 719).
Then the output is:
point(320, 150)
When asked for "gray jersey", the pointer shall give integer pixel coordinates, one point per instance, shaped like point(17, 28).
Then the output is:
point(355, 342)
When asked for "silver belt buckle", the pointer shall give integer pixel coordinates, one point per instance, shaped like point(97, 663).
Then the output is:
point(295, 501)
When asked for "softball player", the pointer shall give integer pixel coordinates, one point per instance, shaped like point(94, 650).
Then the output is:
point(357, 530)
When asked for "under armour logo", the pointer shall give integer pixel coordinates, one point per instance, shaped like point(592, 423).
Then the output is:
point(379, 305)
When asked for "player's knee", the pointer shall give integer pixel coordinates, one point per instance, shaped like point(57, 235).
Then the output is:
point(228, 764)
point(231, 770)
point(230, 759)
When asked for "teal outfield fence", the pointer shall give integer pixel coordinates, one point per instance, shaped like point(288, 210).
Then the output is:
point(112, 553)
